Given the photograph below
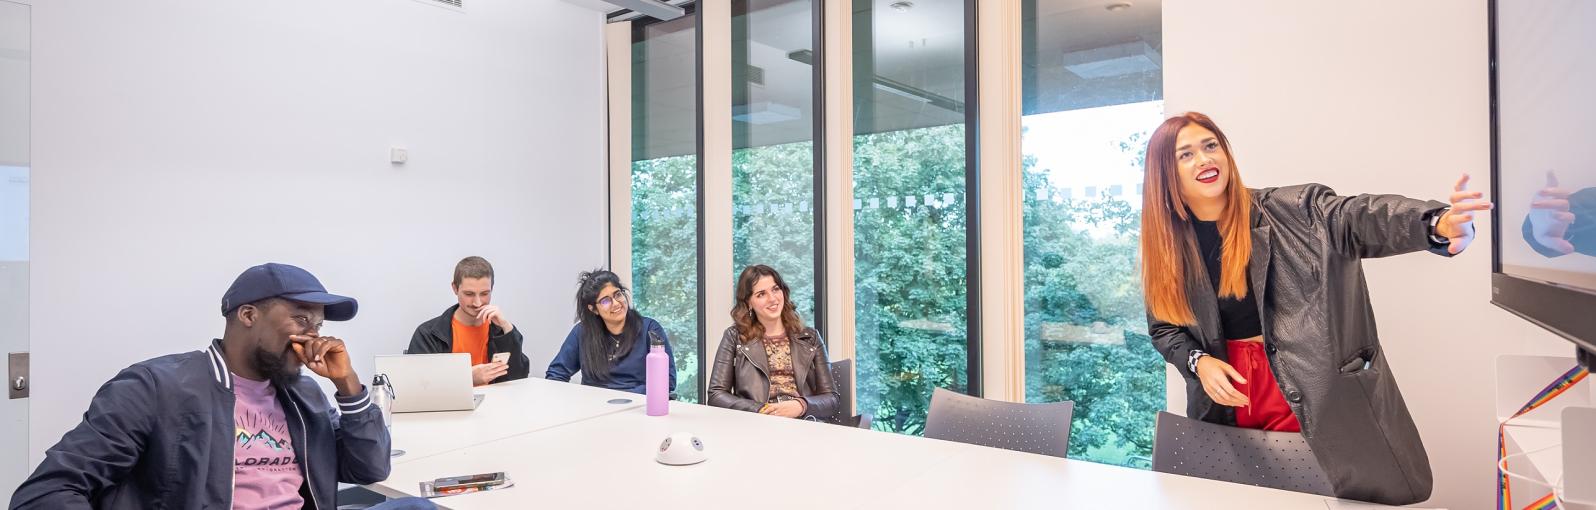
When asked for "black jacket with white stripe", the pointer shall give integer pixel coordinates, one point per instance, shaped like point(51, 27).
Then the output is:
point(161, 434)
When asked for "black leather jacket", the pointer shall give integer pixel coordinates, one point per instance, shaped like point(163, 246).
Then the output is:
point(740, 378)
point(1306, 271)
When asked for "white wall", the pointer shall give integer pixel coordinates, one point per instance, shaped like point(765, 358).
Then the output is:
point(1372, 96)
point(177, 143)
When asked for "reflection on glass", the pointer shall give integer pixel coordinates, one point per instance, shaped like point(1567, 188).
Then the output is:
point(1545, 184)
point(909, 207)
point(665, 189)
point(773, 170)
point(1561, 221)
point(1558, 231)
point(1092, 94)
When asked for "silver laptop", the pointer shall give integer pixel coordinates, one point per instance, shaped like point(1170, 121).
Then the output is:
point(429, 382)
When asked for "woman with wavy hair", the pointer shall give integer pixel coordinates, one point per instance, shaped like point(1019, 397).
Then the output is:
point(768, 361)
point(1257, 297)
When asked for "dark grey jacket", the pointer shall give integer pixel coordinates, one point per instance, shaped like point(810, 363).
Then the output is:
point(1305, 270)
point(160, 435)
point(740, 378)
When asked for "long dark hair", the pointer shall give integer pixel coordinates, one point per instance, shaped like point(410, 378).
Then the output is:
point(596, 349)
point(748, 326)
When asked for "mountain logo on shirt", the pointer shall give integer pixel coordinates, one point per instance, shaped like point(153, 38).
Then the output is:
point(261, 438)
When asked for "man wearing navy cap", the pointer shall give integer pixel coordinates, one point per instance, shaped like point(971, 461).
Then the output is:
point(235, 425)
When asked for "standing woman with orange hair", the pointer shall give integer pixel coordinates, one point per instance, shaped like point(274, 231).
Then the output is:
point(1257, 297)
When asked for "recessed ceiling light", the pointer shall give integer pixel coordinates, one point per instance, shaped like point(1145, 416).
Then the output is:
point(1117, 6)
point(902, 6)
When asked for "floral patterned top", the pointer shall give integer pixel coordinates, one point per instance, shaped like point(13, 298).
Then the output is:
point(778, 349)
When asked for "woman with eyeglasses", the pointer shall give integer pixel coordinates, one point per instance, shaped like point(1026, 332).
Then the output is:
point(768, 361)
point(610, 340)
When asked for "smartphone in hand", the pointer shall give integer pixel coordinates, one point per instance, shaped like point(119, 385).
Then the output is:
point(503, 357)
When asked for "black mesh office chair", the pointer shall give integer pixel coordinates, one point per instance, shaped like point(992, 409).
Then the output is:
point(1035, 428)
point(842, 381)
point(1278, 460)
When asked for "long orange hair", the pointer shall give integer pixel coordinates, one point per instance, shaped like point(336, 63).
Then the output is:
point(1169, 250)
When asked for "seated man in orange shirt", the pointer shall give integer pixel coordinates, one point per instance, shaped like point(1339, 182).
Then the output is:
point(475, 327)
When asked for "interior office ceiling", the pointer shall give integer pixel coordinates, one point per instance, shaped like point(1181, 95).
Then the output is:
point(1078, 53)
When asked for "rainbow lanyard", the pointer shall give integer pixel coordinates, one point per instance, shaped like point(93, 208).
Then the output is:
point(1504, 501)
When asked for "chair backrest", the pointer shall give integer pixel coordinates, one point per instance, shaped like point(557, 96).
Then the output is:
point(857, 421)
point(842, 381)
point(1278, 460)
point(1034, 428)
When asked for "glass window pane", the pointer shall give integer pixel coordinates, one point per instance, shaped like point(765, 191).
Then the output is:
point(16, 60)
point(909, 207)
point(665, 188)
point(773, 163)
point(1093, 92)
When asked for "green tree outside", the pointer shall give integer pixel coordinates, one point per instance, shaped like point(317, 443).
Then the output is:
point(910, 280)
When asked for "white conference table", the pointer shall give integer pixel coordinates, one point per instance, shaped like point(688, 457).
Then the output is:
point(507, 409)
point(607, 460)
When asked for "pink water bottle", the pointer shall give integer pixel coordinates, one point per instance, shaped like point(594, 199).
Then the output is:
point(657, 373)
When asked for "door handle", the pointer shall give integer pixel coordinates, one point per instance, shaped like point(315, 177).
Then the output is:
point(17, 375)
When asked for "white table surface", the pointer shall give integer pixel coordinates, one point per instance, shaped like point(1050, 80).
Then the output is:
point(768, 462)
point(982, 477)
point(612, 457)
point(507, 410)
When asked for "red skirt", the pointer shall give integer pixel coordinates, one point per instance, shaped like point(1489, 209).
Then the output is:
point(1267, 408)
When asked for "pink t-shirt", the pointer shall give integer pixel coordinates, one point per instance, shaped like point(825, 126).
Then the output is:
point(265, 474)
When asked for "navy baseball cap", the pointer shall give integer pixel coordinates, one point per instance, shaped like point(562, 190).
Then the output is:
point(287, 282)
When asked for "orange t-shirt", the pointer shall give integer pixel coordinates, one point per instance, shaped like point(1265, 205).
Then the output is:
point(471, 340)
